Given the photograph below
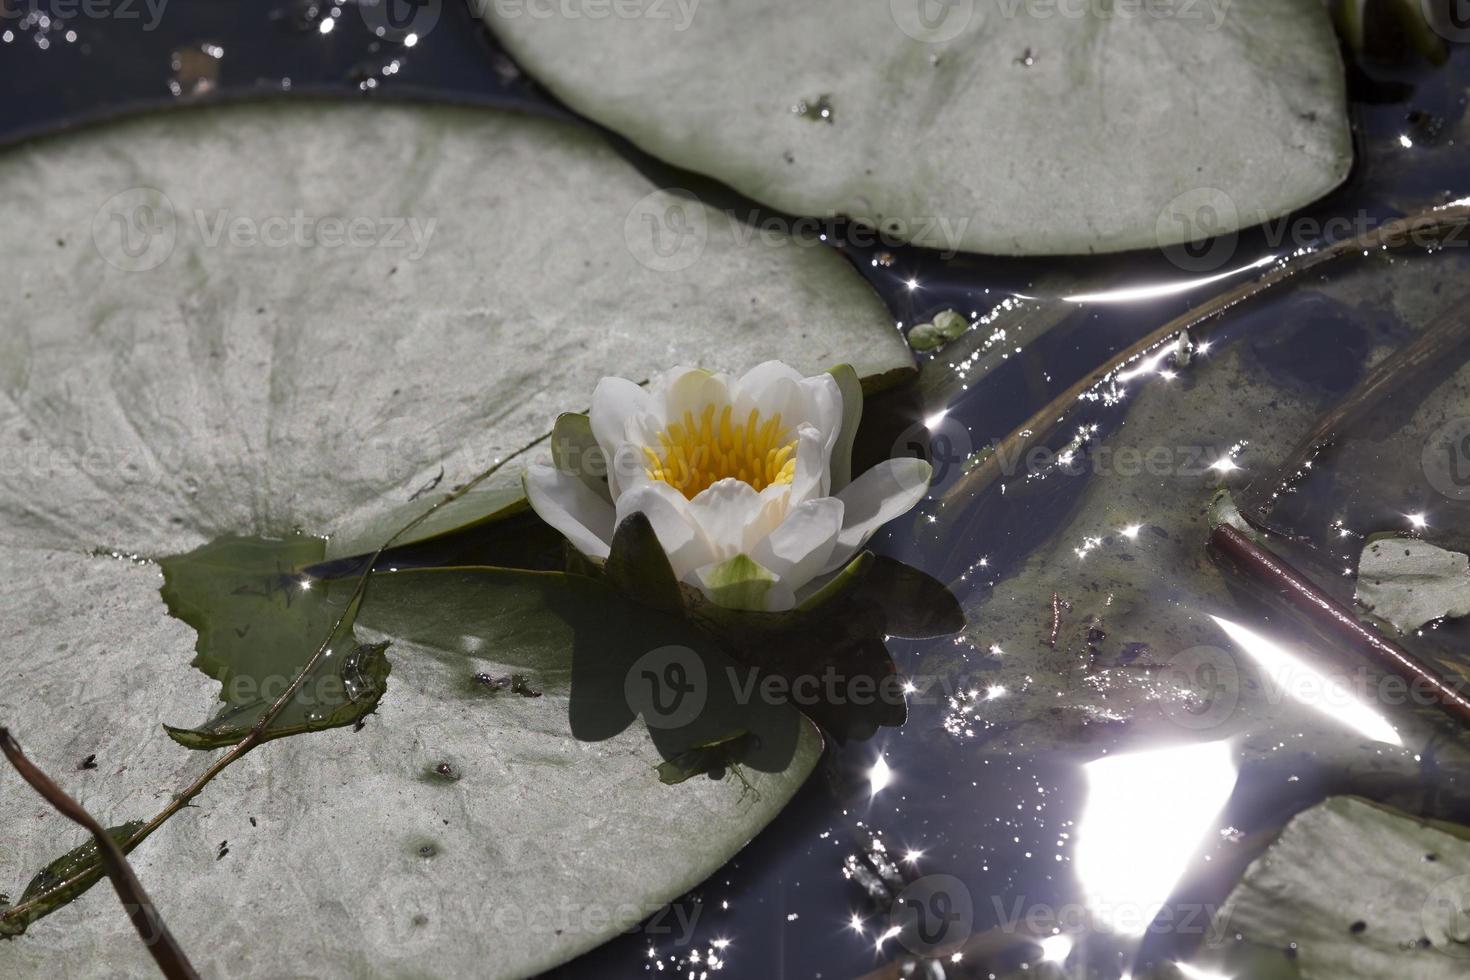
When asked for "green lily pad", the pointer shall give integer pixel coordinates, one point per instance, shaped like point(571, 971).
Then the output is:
point(1000, 126)
point(164, 389)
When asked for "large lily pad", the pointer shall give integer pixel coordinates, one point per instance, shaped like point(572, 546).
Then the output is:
point(1003, 126)
point(161, 388)
point(1360, 891)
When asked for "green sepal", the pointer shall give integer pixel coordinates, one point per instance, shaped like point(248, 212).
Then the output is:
point(851, 388)
point(575, 452)
point(638, 567)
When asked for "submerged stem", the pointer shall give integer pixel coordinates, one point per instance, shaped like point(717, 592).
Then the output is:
point(141, 910)
point(1390, 377)
point(1303, 596)
point(1410, 230)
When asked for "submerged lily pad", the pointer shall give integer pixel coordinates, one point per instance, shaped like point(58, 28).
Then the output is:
point(259, 621)
point(77, 870)
point(1107, 635)
point(178, 374)
point(983, 125)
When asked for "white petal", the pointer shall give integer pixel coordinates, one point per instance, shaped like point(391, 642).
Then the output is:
point(778, 396)
point(724, 511)
point(803, 544)
point(628, 469)
point(886, 491)
point(774, 387)
point(691, 390)
point(824, 396)
point(751, 388)
point(668, 512)
point(570, 506)
point(614, 402)
point(813, 476)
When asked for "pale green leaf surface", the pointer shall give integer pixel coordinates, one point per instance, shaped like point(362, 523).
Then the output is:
point(1409, 582)
point(1347, 861)
point(255, 389)
point(978, 125)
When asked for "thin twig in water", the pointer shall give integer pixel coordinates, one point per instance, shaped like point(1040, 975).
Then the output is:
point(1390, 377)
point(1413, 229)
point(1305, 597)
point(253, 737)
point(160, 942)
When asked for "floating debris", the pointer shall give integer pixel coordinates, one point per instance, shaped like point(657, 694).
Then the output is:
point(515, 683)
point(820, 110)
point(444, 772)
point(195, 70)
point(947, 326)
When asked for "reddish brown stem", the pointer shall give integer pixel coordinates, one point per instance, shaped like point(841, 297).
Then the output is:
point(160, 942)
point(1302, 595)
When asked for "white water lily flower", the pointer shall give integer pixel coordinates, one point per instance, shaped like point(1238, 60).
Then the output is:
point(736, 478)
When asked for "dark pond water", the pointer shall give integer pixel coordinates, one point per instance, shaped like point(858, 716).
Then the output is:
point(1001, 824)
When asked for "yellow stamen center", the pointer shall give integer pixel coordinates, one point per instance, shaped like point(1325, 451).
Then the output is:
point(694, 454)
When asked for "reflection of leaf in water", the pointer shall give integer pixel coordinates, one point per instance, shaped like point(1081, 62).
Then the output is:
point(830, 655)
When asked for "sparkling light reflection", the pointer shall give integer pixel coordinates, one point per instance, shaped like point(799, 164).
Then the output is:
point(1146, 815)
point(1190, 972)
point(1056, 949)
point(1130, 294)
point(1297, 678)
point(879, 777)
